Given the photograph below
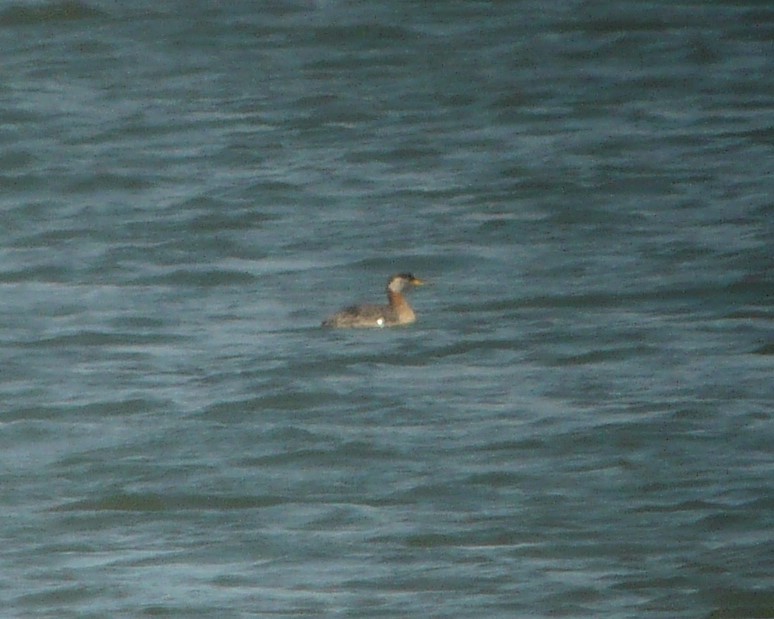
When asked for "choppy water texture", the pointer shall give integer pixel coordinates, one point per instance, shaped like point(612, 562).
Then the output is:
point(579, 424)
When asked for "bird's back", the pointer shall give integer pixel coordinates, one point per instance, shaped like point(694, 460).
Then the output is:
point(362, 316)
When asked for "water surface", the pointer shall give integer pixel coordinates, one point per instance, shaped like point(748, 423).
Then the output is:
point(578, 425)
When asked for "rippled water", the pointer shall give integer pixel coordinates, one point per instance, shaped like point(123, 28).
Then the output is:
point(578, 425)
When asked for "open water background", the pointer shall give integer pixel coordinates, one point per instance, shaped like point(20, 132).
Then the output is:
point(579, 425)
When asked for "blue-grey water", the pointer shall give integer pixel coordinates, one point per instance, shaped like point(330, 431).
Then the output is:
point(578, 425)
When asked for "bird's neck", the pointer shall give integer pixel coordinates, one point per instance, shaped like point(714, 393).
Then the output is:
point(399, 303)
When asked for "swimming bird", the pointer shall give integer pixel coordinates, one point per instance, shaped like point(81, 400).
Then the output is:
point(397, 312)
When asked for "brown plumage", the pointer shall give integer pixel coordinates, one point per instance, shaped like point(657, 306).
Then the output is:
point(397, 312)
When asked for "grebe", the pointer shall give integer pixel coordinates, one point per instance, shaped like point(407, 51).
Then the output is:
point(398, 312)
